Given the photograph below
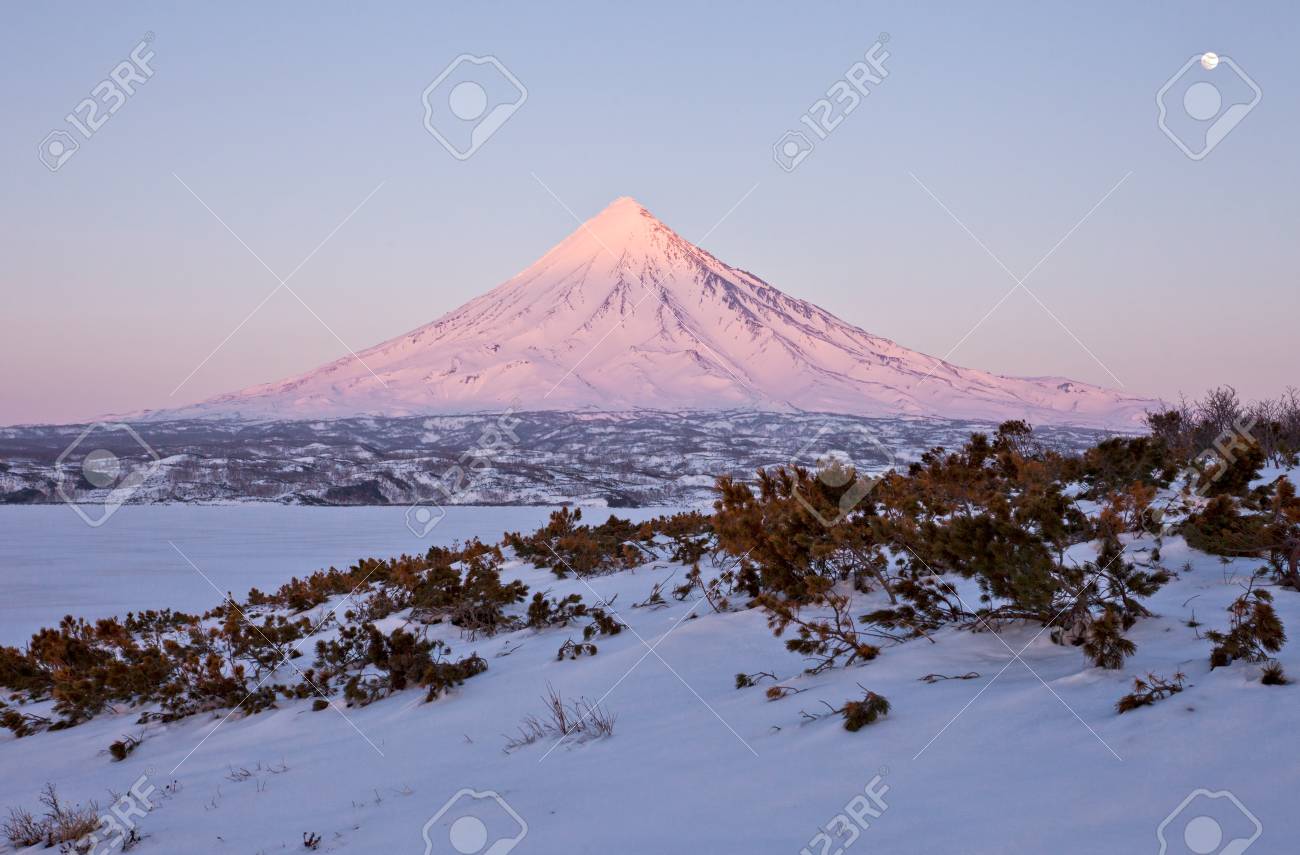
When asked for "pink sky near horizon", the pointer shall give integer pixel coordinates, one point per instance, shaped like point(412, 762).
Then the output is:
point(123, 292)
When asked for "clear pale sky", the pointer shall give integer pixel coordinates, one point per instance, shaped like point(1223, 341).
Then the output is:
point(1020, 117)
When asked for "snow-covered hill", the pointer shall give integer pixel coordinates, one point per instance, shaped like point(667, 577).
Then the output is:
point(626, 314)
point(1025, 755)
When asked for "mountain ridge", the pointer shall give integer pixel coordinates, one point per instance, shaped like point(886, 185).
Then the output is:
point(580, 329)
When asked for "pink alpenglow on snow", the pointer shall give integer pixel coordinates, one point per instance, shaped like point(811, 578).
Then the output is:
point(625, 314)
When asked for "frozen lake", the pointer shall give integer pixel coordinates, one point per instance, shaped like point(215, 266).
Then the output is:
point(53, 564)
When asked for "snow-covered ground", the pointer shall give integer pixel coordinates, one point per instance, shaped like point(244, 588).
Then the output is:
point(52, 564)
point(622, 459)
point(1029, 756)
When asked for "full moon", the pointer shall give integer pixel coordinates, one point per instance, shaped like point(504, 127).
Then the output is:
point(1209, 60)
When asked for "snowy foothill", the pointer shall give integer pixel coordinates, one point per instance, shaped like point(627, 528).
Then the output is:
point(1012, 744)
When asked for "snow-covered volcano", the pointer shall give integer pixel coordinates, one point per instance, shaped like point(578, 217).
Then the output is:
point(625, 314)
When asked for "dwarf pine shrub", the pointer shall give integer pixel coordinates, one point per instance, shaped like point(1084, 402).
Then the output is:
point(859, 714)
point(1148, 691)
point(1254, 630)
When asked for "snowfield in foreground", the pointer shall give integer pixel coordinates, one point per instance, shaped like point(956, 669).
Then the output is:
point(1029, 755)
point(52, 565)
